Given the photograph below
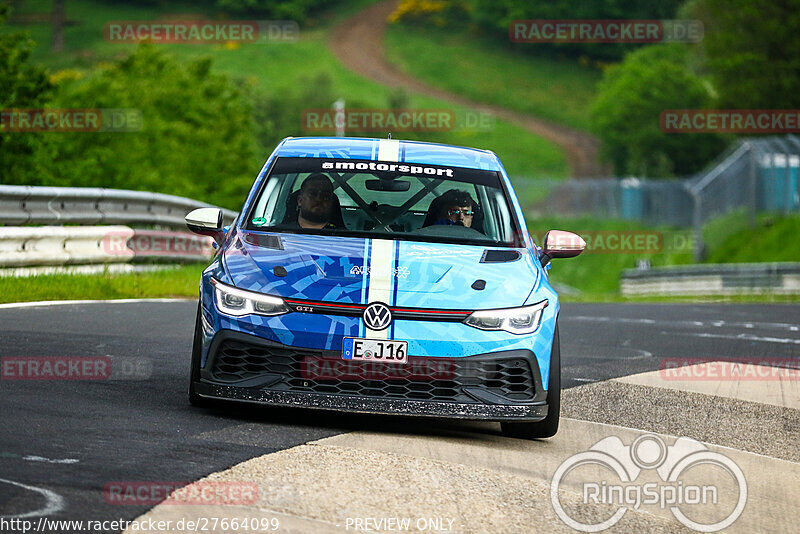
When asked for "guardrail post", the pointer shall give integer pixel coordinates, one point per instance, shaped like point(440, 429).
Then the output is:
point(752, 170)
point(697, 223)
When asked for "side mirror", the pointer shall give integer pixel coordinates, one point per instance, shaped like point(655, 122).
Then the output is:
point(205, 221)
point(561, 244)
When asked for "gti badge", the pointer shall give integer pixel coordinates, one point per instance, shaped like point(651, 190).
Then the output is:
point(377, 316)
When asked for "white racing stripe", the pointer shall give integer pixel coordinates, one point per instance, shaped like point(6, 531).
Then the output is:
point(381, 279)
point(381, 271)
point(388, 150)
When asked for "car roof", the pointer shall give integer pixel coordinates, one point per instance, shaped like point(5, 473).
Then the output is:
point(375, 150)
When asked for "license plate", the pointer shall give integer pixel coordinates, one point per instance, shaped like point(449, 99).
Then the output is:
point(375, 350)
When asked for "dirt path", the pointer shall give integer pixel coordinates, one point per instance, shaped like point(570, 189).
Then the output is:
point(358, 43)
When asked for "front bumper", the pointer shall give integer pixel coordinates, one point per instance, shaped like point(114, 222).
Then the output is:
point(498, 386)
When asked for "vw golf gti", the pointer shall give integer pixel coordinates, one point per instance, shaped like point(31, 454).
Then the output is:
point(382, 276)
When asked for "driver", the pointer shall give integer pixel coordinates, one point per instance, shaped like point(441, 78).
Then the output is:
point(315, 203)
point(455, 207)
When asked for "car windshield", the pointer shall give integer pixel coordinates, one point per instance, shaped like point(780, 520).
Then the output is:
point(408, 201)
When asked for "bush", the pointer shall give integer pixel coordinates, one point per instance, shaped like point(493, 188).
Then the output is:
point(279, 115)
point(628, 106)
point(297, 10)
point(197, 138)
point(437, 12)
point(752, 51)
point(21, 86)
point(496, 15)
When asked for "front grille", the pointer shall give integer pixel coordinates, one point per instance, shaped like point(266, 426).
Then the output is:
point(437, 379)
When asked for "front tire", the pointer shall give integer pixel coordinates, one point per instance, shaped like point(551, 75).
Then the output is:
point(197, 346)
point(547, 427)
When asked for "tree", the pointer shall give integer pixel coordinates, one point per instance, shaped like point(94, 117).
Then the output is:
point(628, 106)
point(196, 138)
point(297, 10)
point(496, 15)
point(752, 51)
point(21, 86)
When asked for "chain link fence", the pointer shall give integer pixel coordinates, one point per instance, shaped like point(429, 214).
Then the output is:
point(753, 175)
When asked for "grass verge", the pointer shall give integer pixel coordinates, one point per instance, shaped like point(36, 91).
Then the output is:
point(487, 71)
point(178, 282)
point(596, 272)
point(731, 240)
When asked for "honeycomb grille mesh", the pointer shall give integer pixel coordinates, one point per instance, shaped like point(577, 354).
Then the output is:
point(436, 379)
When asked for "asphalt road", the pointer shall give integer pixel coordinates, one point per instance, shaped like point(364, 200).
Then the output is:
point(72, 438)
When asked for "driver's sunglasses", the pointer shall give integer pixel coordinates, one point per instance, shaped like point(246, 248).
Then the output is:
point(465, 213)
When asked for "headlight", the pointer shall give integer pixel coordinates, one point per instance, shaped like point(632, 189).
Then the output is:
point(237, 302)
point(522, 320)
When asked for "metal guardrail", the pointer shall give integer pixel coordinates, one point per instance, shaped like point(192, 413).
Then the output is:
point(59, 245)
point(713, 279)
point(87, 245)
point(21, 205)
point(50, 245)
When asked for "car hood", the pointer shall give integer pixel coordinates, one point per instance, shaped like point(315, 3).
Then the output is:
point(400, 273)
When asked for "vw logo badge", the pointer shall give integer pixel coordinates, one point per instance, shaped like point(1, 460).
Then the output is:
point(377, 316)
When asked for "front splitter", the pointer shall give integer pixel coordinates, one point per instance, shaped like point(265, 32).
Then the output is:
point(344, 403)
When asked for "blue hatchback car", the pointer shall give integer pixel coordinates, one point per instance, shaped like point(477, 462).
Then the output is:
point(382, 276)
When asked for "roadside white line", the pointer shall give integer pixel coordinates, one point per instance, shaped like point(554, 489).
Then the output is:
point(54, 502)
point(42, 303)
point(32, 458)
point(697, 324)
point(741, 337)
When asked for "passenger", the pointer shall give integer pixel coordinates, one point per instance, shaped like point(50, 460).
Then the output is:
point(455, 207)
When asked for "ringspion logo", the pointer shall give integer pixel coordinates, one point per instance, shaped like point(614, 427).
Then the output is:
point(683, 477)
